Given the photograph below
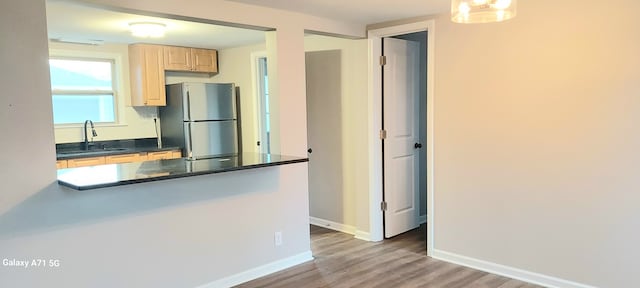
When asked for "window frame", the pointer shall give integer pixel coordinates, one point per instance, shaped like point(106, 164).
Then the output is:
point(117, 76)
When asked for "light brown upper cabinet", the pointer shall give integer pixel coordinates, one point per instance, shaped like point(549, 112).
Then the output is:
point(177, 58)
point(190, 59)
point(146, 70)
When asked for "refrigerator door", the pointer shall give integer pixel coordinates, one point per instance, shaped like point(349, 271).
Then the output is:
point(209, 139)
point(206, 101)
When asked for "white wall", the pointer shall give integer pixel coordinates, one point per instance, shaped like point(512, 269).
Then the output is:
point(537, 138)
point(350, 203)
point(175, 233)
point(133, 122)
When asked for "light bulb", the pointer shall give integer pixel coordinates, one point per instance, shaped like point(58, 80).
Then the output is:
point(464, 8)
point(502, 4)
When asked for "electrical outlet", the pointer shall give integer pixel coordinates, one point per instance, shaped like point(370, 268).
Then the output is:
point(277, 238)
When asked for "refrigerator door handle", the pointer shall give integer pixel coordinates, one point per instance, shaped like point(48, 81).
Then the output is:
point(188, 107)
point(189, 141)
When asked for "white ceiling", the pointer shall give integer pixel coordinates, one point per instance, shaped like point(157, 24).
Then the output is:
point(359, 11)
point(76, 22)
point(72, 21)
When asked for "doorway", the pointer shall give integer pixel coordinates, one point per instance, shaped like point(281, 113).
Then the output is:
point(262, 94)
point(404, 126)
point(375, 170)
point(337, 81)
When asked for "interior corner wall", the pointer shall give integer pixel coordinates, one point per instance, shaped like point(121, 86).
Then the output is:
point(536, 140)
point(351, 202)
point(25, 102)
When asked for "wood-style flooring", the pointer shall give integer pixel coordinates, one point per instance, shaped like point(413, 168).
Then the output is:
point(343, 261)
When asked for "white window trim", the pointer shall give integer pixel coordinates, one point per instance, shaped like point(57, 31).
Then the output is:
point(118, 80)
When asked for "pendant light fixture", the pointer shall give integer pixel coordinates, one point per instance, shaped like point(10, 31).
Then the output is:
point(482, 11)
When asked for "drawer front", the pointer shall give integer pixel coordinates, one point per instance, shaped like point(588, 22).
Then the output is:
point(81, 162)
point(173, 154)
point(159, 155)
point(125, 158)
point(61, 164)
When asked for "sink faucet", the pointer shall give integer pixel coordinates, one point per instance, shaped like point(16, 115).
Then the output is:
point(86, 135)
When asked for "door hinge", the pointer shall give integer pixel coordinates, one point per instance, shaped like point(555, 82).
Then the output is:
point(383, 134)
point(383, 206)
point(383, 60)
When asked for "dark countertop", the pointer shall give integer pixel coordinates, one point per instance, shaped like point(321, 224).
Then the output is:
point(84, 178)
point(107, 148)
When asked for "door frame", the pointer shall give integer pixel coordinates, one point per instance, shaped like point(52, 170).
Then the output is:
point(375, 125)
point(257, 98)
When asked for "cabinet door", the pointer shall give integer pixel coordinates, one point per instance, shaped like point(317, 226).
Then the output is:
point(177, 58)
point(176, 154)
point(204, 60)
point(125, 158)
point(81, 162)
point(159, 155)
point(154, 59)
point(61, 164)
point(146, 71)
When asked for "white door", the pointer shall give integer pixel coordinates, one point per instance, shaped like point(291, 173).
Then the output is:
point(400, 121)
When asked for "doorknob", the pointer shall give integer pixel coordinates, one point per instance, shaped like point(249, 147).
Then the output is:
point(310, 150)
point(417, 145)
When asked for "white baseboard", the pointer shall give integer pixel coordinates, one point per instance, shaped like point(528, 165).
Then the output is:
point(511, 272)
point(260, 271)
point(333, 225)
point(422, 219)
point(363, 235)
point(358, 234)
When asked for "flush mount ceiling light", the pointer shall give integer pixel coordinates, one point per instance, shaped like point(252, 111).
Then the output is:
point(147, 29)
point(482, 11)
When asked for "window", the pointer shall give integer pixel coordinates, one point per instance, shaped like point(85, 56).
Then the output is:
point(82, 89)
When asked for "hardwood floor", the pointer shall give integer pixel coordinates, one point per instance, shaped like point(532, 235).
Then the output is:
point(343, 261)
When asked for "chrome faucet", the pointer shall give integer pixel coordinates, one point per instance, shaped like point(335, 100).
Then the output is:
point(86, 135)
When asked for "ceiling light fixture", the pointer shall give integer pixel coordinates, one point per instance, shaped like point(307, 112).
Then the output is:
point(147, 29)
point(482, 11)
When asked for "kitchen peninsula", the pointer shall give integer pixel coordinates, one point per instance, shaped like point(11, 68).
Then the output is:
point(101, 176)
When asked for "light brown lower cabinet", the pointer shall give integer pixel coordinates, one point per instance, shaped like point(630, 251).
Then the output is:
point(81, 162)
point(125, 158)
point(160, 155)
point(116, 159)
point(61, 164)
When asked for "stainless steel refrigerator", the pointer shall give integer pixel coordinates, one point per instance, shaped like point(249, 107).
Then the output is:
point(202, 119)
